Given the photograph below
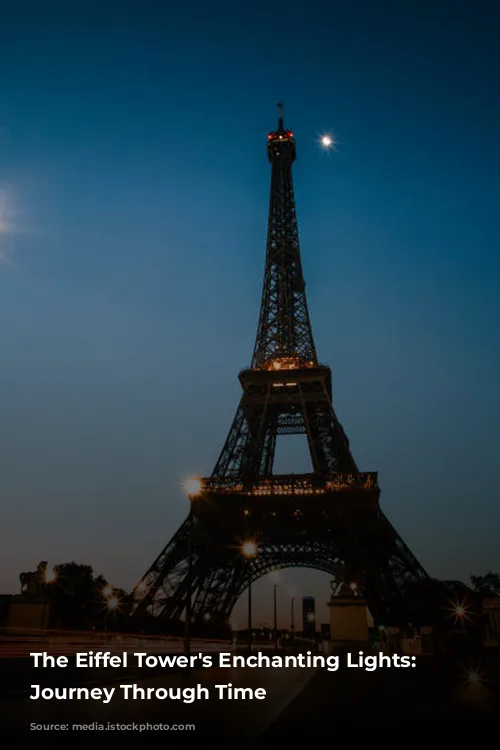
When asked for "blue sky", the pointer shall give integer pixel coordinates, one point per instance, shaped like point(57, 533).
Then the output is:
point(133, 199)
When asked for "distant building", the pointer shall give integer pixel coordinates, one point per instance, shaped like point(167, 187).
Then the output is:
point(309, 616)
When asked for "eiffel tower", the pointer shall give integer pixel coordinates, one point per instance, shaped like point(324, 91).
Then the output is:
point(245, 521)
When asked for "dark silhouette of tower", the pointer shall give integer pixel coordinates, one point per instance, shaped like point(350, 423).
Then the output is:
point(245, 520)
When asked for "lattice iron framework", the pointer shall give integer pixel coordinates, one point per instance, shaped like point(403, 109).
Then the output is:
point(329, 519)
point(284, 331)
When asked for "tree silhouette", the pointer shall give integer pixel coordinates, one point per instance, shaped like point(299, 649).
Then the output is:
point(82, 600)
point(442, 604)
point(487, 586)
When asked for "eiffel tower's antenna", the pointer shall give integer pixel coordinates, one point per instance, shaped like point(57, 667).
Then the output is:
point(284, 329)
point(280, 116)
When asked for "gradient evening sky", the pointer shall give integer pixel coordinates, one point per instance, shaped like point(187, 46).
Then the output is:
point(133, 204)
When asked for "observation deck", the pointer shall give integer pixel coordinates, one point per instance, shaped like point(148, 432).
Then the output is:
point(293, 484)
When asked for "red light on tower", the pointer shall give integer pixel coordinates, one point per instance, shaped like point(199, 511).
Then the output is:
point(290, 134)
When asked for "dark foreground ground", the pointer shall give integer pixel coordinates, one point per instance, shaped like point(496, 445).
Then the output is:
point(17, 675)
point(457, 700)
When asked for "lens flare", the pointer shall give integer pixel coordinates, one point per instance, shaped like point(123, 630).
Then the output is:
point(249, 549)
point(328, 142)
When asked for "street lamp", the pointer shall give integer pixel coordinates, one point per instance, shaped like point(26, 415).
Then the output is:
point(50, 575)
point(292, 617)
point(461, 613)
point(311, 618)
point(474, 677)
point(249, 550)
point(192, 487)
point(275, 586)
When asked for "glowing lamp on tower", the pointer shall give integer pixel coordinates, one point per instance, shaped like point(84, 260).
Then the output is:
point(249, 549)
point(192, 486)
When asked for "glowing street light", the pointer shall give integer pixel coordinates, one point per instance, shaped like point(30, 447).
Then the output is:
point(476, 679)
point(113, 603)
point(192, 486)
point(460, 611)
point(249, 549)
point(50, 575)
point(473, 677)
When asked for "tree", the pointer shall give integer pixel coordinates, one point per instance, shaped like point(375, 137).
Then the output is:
point(82, 600)
point(443, 604)
point(487, 586)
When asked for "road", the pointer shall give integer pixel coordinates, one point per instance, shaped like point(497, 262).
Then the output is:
point(301, 705)
point(234, 724)
point(69, 643)
point(457, 702)
point(16, 665)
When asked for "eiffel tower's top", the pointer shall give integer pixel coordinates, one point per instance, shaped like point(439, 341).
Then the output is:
point(281, 142)
point(284, 335)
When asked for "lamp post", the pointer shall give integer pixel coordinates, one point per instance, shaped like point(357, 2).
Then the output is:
point(107, 591)
point(250, 634)
point(461, 613)
point(275, 617)
point(189, 586)
point(113, 604)
point(249, 550)
point(193, 488)
point(311, 618)
point(50, 577)
point(292, 617)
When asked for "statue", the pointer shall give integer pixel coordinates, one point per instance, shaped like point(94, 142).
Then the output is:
point(348, 612)
point(30, 610)
point(346, 584)
point(336, 584)
point(33, 582)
